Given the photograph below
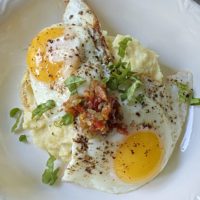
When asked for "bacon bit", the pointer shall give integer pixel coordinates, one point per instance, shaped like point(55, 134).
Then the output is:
point(98, 113)
point(73, 105)
point(106, 110)
point(122, 130)
point(100, 90)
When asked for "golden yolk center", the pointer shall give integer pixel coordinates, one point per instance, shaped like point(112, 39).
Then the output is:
point(139, 157)
point(38, 60)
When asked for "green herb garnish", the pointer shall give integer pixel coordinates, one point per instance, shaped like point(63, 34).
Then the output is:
point(140, 98)
point(105, 80)
point(42, 108)
point(65, 120)
point(131, 91)
point(23, 138)
point(113, 83)
point(184, 93)
point(18, 115)
point(195, 101)
point(119, 74)
point(73, 82)
point(123, 80)
point(122, 46)
point(50, 174)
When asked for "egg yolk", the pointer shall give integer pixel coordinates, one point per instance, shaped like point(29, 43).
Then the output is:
point(138, 158)
point(38, 60)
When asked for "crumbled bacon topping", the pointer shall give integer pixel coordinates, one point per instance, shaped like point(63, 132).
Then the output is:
point(98, 112)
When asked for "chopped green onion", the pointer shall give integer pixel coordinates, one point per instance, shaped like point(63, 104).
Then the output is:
point(124, 81)
point(23, 138)
point(50, 162)
point(50, 174)
point(120, 72)
point(73, 82)
point(113, 83)
point(131, 91)
point(18, 115)
point(14, 111)
point(42, 108)
point(140, 98)
point(184, 92)
point(65, 120)
point(125, 85)
point(123, 96)
point(122, 46)
point(105, 80)
point(195, 101)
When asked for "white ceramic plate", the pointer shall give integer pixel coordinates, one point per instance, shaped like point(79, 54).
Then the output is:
point(171, 28)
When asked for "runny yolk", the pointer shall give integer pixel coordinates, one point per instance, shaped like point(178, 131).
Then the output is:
point(38, 60)
point(139, 157)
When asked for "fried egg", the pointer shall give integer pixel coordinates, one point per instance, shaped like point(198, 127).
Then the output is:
point(60, 51)
point(120, 163)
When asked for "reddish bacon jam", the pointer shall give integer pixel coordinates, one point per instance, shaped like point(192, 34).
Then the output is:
point(98, 112)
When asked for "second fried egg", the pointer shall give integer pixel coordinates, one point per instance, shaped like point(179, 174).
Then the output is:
point(120, 163)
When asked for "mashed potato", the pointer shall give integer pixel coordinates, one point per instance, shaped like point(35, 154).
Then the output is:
point(142, 60)
point(56, 141)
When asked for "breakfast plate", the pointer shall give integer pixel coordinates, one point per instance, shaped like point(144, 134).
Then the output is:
point(173, 35)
